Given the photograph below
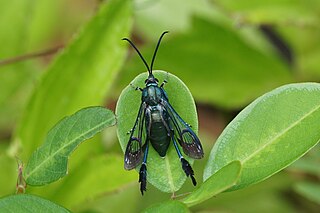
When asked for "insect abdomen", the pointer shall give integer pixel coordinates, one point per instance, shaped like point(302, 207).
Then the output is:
point(158, 133)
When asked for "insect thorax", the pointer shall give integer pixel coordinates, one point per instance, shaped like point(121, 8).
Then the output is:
point(153, 95)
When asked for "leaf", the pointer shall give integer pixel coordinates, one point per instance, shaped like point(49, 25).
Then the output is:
point(16, 79)
point(168, 206)
point(49, 162)
point(164, 173)
point(81, 76)
point(8, 173)
point(97, 176)
point(269, 134)
point(167, 17)
point(300, 13)
point(303, 42)
point(221, 68)
point(309, 190)
point(29, 203)
point(223, 179)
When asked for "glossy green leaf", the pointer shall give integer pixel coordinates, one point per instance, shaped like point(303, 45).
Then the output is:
point(49, 162)
point(221, 68)
point(97, 176)
point(285, 12)
point(164, 173)
point(168, 206)
point(220, 181)
point(29, 203)
point(309, 190)
point(81, 76)
point(269, 134)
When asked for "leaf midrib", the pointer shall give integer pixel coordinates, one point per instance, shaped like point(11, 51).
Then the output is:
point(64, 146)
point(279, 134)
point(170, 179)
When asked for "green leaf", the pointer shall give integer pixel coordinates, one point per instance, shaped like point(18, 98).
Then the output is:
point(49, 162)
point(237, 75)
point(164, 173)
point(96, 176)
point(303, 42)
point(168, 18)
point(223, 179)
point(8, 173)
point(29, 203)
point(269, 134)
point(285, 12)
point(168, 206)
point(16, 79)
point(81, 76)
point(309, 190)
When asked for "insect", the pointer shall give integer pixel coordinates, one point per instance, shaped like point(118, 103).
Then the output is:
point(159, 124)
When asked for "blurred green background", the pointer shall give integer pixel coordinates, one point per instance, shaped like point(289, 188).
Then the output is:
point(227, 52)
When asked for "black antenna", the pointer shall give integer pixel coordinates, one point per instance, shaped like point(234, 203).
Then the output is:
point(144, 61)
point(155, 51)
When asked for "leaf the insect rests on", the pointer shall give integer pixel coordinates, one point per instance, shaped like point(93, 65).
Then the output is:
point(164, 173)
point(269, 134)
point(49, 162)
point(29, 203)
point(223, 179)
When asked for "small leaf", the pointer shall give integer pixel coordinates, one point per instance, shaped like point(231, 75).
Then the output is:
point(269, 134)
point(164, 173)
point(29, 203)
point(49, 162)
point(309, 190)
point(168, 206)
point(223, 179)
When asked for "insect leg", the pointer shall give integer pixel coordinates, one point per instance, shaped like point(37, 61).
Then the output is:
point(185, 164)
point(165, 80)
point(136, 88)
point(143, 170)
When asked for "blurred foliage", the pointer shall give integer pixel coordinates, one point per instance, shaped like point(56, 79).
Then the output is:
point(227, 52)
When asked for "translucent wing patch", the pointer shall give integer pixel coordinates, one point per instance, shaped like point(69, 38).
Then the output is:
point(187, 139)
point(133, 154)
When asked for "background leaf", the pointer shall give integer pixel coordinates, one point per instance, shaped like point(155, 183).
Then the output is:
point(100, 175)
point(8, 171)
point(29, 203)
point(309, 190)
point(274, 12)
point(269, 134)
point(169, 206)
point(236, 77)
point(164, 173)
point(223, 179)
point(81, 76)
point(49, 162)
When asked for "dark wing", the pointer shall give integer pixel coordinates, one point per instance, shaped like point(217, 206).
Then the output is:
point(188, 140)
point(133, 153)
